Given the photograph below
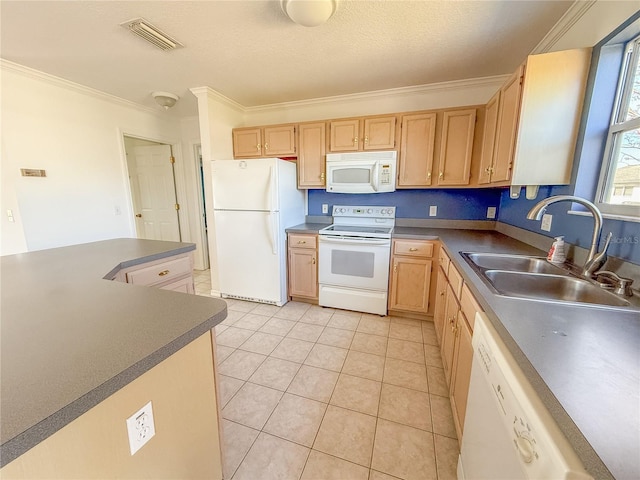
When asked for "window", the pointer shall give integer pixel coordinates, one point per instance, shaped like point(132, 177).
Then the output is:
point(619, 186)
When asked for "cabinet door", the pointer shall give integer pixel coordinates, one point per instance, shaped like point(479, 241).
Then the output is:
point(379, 133)
point(489, 138)
point(441, 301)
point(456, 147)
point(416, 150)
point(344, 135)
point(247, 142)
point(462, 373)
point(303, 273)
point(184, 285)
point(311, 155)
point(410, 281)
point(507, 130)
point(279, 140)
point(449, 334)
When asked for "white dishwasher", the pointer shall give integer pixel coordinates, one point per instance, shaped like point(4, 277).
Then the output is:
point(508, 433)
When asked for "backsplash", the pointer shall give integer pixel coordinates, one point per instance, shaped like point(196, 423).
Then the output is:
point(453, 204)
point(576, 229)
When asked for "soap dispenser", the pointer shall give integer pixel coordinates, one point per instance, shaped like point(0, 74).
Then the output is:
point(556, 252)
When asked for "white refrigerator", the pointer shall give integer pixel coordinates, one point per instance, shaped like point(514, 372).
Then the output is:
point(253, 202)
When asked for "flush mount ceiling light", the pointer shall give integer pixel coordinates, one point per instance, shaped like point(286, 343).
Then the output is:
point(309, 13)
point(165, 99)
point(151, 34)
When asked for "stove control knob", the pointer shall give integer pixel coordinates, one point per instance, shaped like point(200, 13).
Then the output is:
point(369, 210)
point(383, 211)
point(341, 210)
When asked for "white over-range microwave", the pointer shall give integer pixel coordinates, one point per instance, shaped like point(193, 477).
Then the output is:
point(361, 172)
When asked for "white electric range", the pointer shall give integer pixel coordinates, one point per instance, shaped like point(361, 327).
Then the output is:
point(353, 259)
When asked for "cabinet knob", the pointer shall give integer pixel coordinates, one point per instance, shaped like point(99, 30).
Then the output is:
point(302, 241)
point(258, 147)
point(266, 146)
point(366, 140)
point(163, 273)
point(413, 249)
point(138, 215)
point(442, 293)
point(429, 175)
point(322, 176)
point(355, 140)
point(313, 261)
point(441, 175)
point(395, 267)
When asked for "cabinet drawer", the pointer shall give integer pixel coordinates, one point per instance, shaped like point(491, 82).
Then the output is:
point(413, 248)
point(469, 305)
point(160, 272)
point(455, 279)
point(302, 241)
point(444, 261)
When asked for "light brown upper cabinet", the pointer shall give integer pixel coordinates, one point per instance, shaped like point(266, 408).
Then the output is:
point(417, 142)
point(311, 155)
point(456, 147)
point(344, 135)
point(272, 141)
point(365, 133)
point(539, 110)
point(488, 139)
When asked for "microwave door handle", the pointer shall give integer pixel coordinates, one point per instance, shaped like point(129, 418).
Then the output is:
point(375, 185)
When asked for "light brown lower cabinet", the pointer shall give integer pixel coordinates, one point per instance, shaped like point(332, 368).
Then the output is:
point(454, 315)
point(412, 276)
point(170, 273)
point(303, 267)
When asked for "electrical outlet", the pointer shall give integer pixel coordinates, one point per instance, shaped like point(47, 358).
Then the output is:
point(433, 210)
point(546, 222)
point(491, 212)
point(325, 208)
point(140, 428)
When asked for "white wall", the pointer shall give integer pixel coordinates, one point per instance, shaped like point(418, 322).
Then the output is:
point(75, 134)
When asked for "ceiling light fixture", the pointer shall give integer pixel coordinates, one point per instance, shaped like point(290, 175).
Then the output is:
point(309, 13)
point(151, 34)
point(165, 99)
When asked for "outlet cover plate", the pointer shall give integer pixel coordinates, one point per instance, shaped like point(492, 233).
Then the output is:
point(325, 208)
point(433, 210)
point(140, 428)
point(546, 222)
point(491, 212)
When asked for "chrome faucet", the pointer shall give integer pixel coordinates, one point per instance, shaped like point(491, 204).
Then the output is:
point(594, 260)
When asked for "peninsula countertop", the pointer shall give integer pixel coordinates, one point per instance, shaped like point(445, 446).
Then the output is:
point(583, 361)
point(70, 337)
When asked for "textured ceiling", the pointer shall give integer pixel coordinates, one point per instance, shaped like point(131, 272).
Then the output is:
point(252, 53)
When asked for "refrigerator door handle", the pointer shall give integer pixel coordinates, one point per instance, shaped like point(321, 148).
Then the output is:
point(273, 234)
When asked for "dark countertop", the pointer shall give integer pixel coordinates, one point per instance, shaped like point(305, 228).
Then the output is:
point(70, 337)
point(582, 361)
point(307, 228)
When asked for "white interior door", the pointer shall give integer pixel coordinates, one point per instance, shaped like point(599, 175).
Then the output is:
point(154, 186)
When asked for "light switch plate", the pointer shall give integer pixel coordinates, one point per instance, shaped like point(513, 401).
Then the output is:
point(433, 210)
point(546, 222)
point(140, 427)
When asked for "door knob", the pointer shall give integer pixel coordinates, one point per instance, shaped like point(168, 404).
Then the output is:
point(139, 215)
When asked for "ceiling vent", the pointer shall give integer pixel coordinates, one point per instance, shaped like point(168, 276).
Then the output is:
point(151, 34)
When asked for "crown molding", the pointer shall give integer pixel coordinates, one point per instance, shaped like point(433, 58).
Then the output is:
point(431, 88)
point(562, 26)
point(214, 95)
point(76, 87)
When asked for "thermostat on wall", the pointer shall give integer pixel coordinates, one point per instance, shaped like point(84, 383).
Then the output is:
point(33, 172)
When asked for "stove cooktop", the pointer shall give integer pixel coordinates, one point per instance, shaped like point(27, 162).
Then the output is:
point(357, 231)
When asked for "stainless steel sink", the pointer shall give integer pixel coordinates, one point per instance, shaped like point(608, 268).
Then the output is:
point(523, 276)
point(551, 288)
point(513, 263)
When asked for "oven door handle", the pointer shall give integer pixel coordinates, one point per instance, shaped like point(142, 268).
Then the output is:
point(354, 241)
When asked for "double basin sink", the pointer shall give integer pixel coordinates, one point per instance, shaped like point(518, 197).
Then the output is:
point(534, 278)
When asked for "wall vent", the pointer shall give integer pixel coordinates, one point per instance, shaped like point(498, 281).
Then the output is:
point(151, 34)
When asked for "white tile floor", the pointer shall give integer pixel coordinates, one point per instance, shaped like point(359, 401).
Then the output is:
point(315, 393)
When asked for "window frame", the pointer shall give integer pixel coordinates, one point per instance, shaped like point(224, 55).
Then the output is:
point(617, 125)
